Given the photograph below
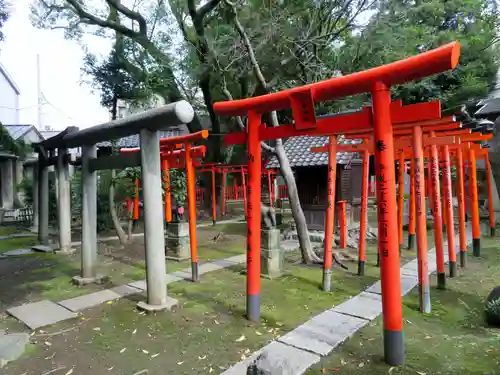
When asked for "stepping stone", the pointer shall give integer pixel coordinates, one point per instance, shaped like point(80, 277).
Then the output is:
point(125, 290)
point(89, 300)
point(43, 249)
point(407, 284)
point(18, 252)
point(141, 284)
point(365, 305)
point(40, 314)
point(209, 267)
point(17, 235)
point(12, 347)
point(324, 332)
point(277, 358)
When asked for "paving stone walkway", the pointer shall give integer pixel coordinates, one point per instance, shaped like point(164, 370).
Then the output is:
point(298, 350)
point(43, 313)
point(17, 235)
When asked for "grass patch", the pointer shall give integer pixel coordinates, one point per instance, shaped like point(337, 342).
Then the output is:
point(17, 243)
point(451, 340)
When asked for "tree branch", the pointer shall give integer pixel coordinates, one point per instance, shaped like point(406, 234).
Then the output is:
point(94, 20)
point(136, 16)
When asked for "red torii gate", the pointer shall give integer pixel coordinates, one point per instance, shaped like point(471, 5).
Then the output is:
point(301, 100)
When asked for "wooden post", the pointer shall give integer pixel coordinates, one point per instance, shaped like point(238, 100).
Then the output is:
point(330, 213)
point(450, 229)
point(253, 219)
point(168, 188)
point(401, 196)
point(461, 206)
point(363, 220)
point(191, 198)
point(342, 224)
point(418, 182)
point(491, 210)
point(388, 246)
point(223, 197)
point(214, 197)
point(438, 223)
point(474, 209)
point(412, 206)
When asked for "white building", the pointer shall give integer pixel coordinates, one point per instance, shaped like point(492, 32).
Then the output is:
point(9, 98)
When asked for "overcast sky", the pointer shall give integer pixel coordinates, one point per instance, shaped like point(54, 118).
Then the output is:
point(71, 103)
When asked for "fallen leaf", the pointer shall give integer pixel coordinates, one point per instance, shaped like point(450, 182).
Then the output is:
point(209, 330)
point(180, 363)
point(96, 329)
point(342, 362)
point(361, 364)
point(109, 302)
point(155, 355)
point(240, 339)
point(323, 370)
point(279, 324)
point(270, 330)
point(202, 357)
point(211, 370)
point(335, 369)
point(216, 322)
point(121, 351)
point(134, 331)
point(258, 333)
point(391, 369)
point(145, 351)
point(42, 331)
point(111, 368)
point(69, 372)
point(428, 337)
point(421, 373)
point(48, 343)
point(243, 357)
point(247, 351)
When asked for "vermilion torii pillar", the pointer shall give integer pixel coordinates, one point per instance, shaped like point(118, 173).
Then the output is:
point(301, 100)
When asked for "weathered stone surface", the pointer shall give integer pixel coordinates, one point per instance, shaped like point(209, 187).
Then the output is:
point(407, 284)
point(43, 249)
point(364, 305)
point(271, 263)
point(17, 235)
point(12, 347)
point(275, 359)
point(141, 284)
point(324, 332)
point(177, 245)
point(270, 239)
point(18, 252)
point(125, 290)
point(289, 245)
point(41, 314)
point(89, 300)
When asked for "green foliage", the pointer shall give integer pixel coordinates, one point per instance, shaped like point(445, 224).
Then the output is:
point(178, 186)
point(492, 307)
point(4, 15)
point(10, 145)
point(400, 30)
point(26, 185)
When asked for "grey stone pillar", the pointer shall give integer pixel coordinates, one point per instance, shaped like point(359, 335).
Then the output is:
point(34, 179)
point(271, 256)
point(89, 217)
point(7, 185)
point(63, 202)
point(18, 178)
point(154, 239)
point(178, 241)
point(43, 201)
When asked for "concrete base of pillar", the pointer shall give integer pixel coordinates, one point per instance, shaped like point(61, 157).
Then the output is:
point(170, 302)
point(271, 256)
point(33, 229)
point(177, 242)
point(69, 251)
point(99, 279)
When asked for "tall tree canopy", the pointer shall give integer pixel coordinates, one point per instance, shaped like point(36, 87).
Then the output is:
point(4, 15)
point(402, 28)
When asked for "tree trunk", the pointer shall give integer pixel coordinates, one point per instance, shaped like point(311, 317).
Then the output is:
point(308, 255)
point(122, 237)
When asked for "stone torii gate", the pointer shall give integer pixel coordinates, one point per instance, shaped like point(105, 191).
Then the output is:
point(54, 151)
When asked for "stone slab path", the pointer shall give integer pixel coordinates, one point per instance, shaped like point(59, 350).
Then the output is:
point(298, 350)
point(43, 313)
point(17, 235)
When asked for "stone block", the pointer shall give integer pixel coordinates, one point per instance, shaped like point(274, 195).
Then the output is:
point(169, 303)
point(40, 314)
point(270, 239)
point(324, 332)
point(141, 284)
point(125, 290)
point(89, 300)
point(275, 358)
point(365, 305)
point(18, 252)
point(43, 249)
point(271, 263)
point(407, 284)
point(12, 347)
point(177, 242)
